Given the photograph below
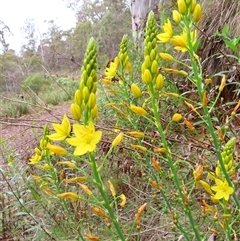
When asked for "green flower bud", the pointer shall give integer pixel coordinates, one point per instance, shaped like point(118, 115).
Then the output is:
point(94, 112)
point(89, 83)
point(85, 94)
point(227, 157)
point(159, 82)
point(76, 112)
point(147, 61)
point(78, 97)
point(154, 67)
point(94, 88)
point(152, 55)
point(147, 77)
point(91, 101)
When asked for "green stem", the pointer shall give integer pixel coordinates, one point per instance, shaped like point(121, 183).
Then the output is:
point(104, 196)
point(65, 205)
point(170, 162)
point(198, 78)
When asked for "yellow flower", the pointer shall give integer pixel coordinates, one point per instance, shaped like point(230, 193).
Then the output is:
point(68, 195)
point(176, 16)
point(166, 56)
point(222, 189)
point(181, 42)
point(86, 138)
point(167, 34)
point(62, 130)
point(138, 110)
point(177, 117)
point(57, 149)
point(124, 200)
point(112, 69)
point(118, 139)
point(34, 159)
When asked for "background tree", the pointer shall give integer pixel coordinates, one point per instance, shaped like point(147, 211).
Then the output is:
point(4, 30)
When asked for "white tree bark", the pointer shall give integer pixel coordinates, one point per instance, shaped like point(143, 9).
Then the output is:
point(139, 11)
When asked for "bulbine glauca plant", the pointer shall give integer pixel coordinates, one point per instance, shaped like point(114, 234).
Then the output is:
point(193, 192)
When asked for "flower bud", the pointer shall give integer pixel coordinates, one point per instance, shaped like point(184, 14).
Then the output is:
point(123, 200)
point(176, 16)
point(136, 90)
point(192, 6)
point(197, 13)
point(138, 110)
point(85, 94)
point(57, 149)
point(94, 112)
point(159, 82)
point(76, 112)
point(118, 139)
point(152, 54)
point(91, 101)
point(147, 77)
point(77, 97)
point(94, 88)
point(166, 56)
point(177, 117)
point(182, 6)
point(89, 83)
point(154, 67)
point(147, 61)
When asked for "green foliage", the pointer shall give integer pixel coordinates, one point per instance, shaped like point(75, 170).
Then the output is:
point(35, 82)
point(14, 109)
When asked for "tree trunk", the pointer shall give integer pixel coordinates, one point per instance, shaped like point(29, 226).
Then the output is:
point(139, 11)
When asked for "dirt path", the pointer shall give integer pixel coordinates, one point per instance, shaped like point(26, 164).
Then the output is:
point(19, 136)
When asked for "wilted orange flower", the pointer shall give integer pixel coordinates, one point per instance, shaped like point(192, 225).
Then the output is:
point(112, 189)
point(68, 195)
point(91, 237)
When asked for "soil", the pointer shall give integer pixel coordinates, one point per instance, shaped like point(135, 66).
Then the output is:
point(19, 136)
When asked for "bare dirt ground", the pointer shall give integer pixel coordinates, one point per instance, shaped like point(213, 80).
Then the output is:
point(19, 136)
